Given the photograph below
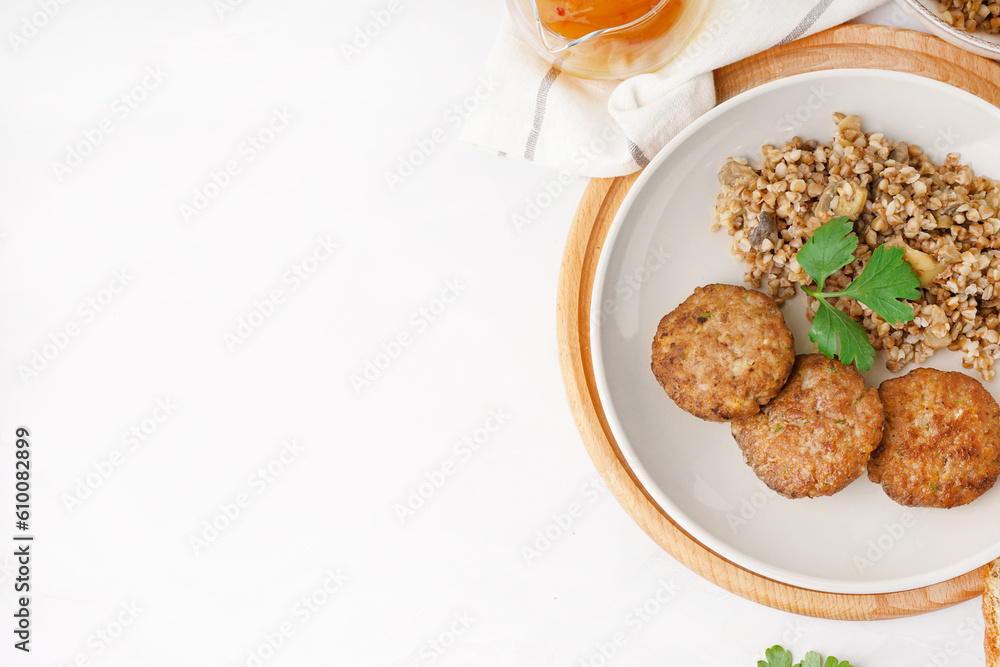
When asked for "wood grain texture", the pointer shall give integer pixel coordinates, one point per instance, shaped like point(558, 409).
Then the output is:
point(845, 46)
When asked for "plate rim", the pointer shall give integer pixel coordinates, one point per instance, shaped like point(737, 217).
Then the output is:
point(631, 458)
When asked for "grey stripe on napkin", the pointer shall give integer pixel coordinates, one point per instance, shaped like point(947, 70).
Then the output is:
point(637, 154)
point(540, 100)
point(807, 22)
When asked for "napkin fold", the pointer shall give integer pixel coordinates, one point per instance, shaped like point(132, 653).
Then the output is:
point(612, 128)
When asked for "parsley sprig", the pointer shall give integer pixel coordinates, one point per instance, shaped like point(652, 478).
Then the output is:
point(779, 657)
point(886, 279)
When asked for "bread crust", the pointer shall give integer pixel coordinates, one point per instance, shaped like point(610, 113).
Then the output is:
point(991, 610)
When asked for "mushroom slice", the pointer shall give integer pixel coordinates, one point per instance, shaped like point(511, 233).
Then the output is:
point(949, 254)
point(735, 174)
point(766, 230)
point(900, 153)
point(925, 266)
point(843, 198)
point(937, 334)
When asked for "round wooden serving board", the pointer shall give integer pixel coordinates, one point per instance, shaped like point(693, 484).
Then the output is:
point(845, 46)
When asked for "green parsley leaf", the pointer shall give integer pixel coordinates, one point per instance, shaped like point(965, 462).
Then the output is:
point(776, 657)
point(812, 659)
point(885, 279)
point(779, 657)
point(830, 325)
point(828, 250)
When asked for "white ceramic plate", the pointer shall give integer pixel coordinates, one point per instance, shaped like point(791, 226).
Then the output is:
point(660, 248)
point(980, 43)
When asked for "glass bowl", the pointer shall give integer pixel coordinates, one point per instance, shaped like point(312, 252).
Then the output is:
point(638, 44)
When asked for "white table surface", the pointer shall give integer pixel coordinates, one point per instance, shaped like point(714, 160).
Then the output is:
point(199, 250)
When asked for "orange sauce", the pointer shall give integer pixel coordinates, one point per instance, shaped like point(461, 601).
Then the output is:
point(575, 18)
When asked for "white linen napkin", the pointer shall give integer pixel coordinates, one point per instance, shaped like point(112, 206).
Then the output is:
point(612, 128)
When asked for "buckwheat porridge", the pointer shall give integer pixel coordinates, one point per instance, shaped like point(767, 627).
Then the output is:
point(943, 216)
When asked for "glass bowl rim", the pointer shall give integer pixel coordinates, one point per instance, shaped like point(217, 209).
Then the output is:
point(544, 28)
